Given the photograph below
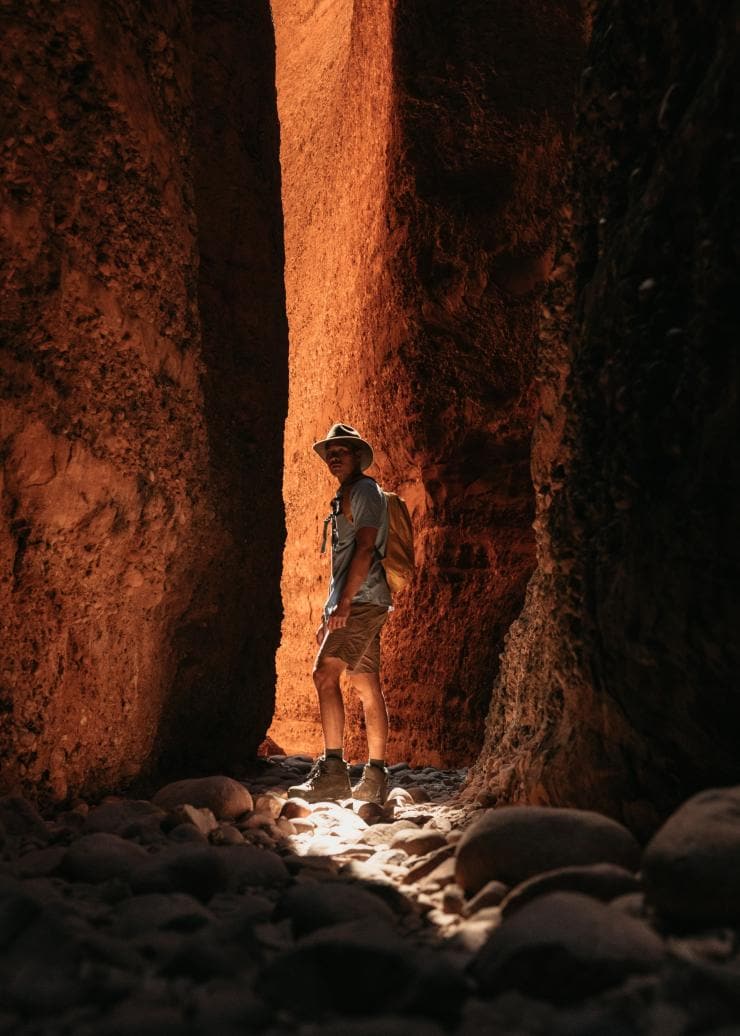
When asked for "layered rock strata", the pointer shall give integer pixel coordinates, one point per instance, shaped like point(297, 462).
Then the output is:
point(422, 159)
point(618, 685)
point(136, 366)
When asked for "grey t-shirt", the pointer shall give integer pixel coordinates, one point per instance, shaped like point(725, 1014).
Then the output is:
point(369, 510)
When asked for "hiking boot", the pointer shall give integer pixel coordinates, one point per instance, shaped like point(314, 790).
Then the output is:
point(373, 785)
point(329, 779)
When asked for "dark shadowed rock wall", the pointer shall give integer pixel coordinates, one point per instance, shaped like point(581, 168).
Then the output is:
point(237, 609)
point(618, 687)
point(423, 147)
point(135, 365)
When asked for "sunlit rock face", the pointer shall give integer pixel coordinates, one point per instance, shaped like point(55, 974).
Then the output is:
point(423, 147)
point(618, 688)
point(129, 384)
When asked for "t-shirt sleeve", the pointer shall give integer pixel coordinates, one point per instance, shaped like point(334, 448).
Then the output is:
point(366, 503)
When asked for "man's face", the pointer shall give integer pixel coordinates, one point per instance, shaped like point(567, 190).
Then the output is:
point(342, 461)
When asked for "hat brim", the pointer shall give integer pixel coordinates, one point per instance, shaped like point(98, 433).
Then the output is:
point(366, 450)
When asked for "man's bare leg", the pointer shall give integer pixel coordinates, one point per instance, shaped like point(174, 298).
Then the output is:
point(329, 777)
point(367, 686)
point(326, 680)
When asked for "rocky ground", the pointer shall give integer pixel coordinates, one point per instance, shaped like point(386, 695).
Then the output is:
point(222, 907)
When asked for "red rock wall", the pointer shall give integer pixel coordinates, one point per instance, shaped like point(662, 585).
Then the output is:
point(422, 158)
point(128, 381)
point(618, 688)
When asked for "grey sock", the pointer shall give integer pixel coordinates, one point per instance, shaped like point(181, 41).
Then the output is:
point(333, 753)
point(380, 763)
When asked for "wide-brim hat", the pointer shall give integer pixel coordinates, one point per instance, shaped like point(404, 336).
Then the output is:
point(345, 435)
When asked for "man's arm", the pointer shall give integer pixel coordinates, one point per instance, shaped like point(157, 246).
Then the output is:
point(359, 567)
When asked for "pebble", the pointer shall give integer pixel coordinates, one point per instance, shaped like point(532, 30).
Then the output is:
point(316, 905)
point(383, 834)
point(187, 833)
point(293, 809)
point(490, 895)
point(372, 813)
point(399, 796)
point(442, 875)
point(115, 818)
point(199, 870)
point(270, 804)
point(175, 911)
point(325, 969)
point(100, 857)
point(226, 798)
point(418, 843)
point(227, 834)
point(428, 864)
point(338, 918)
point(202, 820)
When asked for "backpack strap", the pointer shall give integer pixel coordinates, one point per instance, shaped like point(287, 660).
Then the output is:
point(331, 519)
point(336, 509)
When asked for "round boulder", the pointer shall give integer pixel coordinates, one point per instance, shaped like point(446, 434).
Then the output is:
point(18, 816)
point(99, 857)
point(225, 797)
point(691, 867)
point(317, 905)
point(418, 843)
point(604, 881)
point(197, 870)
point(116, 818)
point(514, 843)
point(331, 970)
point(565, 946)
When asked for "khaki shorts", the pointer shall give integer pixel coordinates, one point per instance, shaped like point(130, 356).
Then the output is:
point(357, 643)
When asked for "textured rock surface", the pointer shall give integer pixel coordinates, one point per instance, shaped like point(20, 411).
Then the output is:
point(421, 168)
point(618, 688)
point(126, 388)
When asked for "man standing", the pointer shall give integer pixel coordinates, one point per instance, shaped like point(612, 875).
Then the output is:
point(354, 613)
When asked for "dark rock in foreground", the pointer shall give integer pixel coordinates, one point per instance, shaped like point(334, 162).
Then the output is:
point(516, 842)
point(692, 864)
point(565, 946)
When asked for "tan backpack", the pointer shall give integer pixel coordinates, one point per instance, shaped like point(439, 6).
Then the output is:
point(399, 549)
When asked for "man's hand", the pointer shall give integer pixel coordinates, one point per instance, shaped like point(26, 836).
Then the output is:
point(339, 616)
point(320, 633)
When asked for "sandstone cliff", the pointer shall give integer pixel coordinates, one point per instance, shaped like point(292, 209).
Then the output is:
point(618, 685)
point(143, 352)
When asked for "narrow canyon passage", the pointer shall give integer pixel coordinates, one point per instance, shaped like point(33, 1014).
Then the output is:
point(422, 164)
point(504, 242)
